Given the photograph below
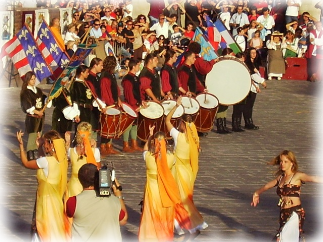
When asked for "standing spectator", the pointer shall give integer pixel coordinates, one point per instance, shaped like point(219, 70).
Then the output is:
point(292, 10)
point(192, 11)
point(276, 62)
point(138, 44)
point(278, 13)
point(240, 39)
point(260, 4)
point(319, 5)
point(142, 21)
point(96, 31)
point(305, 21)
point(96, 218)
point(56, 30)
point(108, 16)
point(253, 15)
point(315, 52)
point(156, 7)
point(161, 27)
point(189, 31)
point(175, 8)
point(239, 19)
point(128, 9)
point(225, 16)
point(268, 22)
point(72, 36)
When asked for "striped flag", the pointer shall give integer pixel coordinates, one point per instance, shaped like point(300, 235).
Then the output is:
point(25, 55)
point(207, 50)
point(213, 34)
point(53, 54)
point(227, 40)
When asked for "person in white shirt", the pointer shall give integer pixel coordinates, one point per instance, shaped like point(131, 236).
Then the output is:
point(225, 16)
point(161, 27)
point(107, 15)
point(292, 10)
point(240, 39)
point(268, 22)
point(96, 31)
point(238, 19)
point(72, 36)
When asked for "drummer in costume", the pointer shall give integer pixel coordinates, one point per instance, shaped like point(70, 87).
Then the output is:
point(187, 147)
point(221, 115)
point(64, 113)
point(253, 62)
point(110, 94)
point(32, 102)
point(131, 92)
point(93, 80)
point(150, 88)
point(201, 66)
point(189, 84)
point(169, 78)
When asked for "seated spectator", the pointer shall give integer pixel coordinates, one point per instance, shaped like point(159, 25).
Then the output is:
point(302, 46)
point(292, 45)
point(253, 15)
point(253, 27)
point(72, 36)
point(292, 26)
point(256, 42)
point(161, 27)
point(189, 31)
point(96, 31)
point(305, 21)
point(177, 35)
point(240, 39)
point(268, 22)
point(69, 48)
point(142, 21)
point(107, 15)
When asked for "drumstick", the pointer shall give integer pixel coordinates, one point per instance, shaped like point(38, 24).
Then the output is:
point(204, 97)
point(189, 98)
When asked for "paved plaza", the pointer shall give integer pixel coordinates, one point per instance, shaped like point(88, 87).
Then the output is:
point(231, 168)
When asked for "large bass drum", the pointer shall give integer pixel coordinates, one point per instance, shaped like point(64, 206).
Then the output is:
point(229, 80)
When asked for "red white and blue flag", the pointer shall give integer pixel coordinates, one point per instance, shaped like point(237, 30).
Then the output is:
point(25, 55)
point(53, 54)
point(213, 34)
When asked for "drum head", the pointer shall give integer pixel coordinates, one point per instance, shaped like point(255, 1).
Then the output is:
point(168, 106)
point(207, 100)
point(191, 106)
point(112, 111)
point(229, 80)
point(129, 110)
point(153, 110)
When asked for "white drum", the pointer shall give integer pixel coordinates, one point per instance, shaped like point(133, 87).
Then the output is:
point(229, 80)
point(206, 115)
point(191, 105)
point(176, 118)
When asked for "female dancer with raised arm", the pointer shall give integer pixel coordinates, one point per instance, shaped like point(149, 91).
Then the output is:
point(187, 149)
point(288, 182)
point(51, 220)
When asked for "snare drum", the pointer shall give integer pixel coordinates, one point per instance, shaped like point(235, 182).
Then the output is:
point(229, 80)
point(128, 117)
point(151, 115)
point(191, 106)
point(208, 109)
point(110, 122)
point(176, 118)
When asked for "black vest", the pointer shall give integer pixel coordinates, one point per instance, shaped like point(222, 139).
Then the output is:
point(95, 80)
point(114, 84)
point(155, 82)
point(173, 79)
point(135, 86)
point(191, 83)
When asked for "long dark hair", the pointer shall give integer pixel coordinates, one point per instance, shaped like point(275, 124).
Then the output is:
point(26, 80)
point(257, 61)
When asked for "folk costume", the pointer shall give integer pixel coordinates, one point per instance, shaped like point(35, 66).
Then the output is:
point(32, 99)
point(82, 96)
point(64, 112)
point(131, 92)
point(162, 202)
point(51, 221)
point(149, 79)
point(185, 172)
point(314, 55)
point(169, 80)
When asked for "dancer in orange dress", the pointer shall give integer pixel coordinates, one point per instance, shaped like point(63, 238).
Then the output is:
point(162, 197)
point(186, 152)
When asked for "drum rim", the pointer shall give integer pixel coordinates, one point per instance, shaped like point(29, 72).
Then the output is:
point(194, 100)
point(207, 93)
point(128, 105)
point(157, 105)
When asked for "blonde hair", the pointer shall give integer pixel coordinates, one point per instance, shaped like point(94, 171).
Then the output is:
point(84, 127)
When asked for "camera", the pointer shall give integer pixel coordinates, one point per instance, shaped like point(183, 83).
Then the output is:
point(104, 180)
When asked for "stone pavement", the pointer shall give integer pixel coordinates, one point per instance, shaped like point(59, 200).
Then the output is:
point(231, 168)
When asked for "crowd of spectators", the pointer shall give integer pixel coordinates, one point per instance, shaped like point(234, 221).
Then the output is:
point(251, 24)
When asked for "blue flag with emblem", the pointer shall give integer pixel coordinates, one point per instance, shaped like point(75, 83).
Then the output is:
point(49, 47)
point(207, 50)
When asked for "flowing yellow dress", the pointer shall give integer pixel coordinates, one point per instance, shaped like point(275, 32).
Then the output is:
point(157, 221)
point(51, 220)
point(186, 167)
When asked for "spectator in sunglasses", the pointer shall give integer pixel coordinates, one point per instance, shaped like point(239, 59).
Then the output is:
point(96, 31)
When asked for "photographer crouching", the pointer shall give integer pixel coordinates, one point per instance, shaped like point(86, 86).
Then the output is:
point(96, 217)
